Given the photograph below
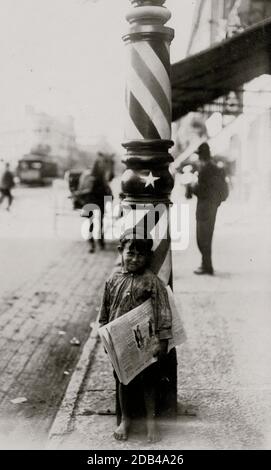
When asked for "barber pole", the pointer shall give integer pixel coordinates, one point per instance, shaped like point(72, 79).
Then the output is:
point(147, 182)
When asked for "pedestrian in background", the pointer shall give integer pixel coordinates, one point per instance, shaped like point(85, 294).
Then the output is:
point(6, 184)
point(211, 189)
point(95, 187)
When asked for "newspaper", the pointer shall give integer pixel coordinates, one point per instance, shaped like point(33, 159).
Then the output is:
point(178, 331)
point(130, 340)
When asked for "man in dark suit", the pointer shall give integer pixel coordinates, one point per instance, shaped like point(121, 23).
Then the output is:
point(208, 191)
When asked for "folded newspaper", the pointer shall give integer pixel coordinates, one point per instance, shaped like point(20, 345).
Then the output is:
point(130, 340)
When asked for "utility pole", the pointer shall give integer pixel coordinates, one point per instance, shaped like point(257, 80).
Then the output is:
point(146, 181)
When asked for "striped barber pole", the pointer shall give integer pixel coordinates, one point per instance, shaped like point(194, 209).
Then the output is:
point(147, 182)
point(153, 222)
point(148, 126)
point(148, 91)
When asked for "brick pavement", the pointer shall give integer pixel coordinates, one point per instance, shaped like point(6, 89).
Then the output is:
point(33, 355)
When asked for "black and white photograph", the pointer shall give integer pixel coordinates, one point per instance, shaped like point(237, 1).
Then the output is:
point(135, 227)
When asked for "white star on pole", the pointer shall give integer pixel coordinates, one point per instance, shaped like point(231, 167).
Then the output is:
point(150, 179)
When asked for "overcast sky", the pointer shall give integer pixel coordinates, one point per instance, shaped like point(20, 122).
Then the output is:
point(67, 57)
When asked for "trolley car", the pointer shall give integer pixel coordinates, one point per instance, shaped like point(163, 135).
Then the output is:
point(34, 169)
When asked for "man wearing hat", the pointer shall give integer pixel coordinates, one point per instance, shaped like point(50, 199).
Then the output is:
point(208, 192)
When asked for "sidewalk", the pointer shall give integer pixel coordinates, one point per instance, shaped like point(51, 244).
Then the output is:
point(224, 377)
point(37, 322)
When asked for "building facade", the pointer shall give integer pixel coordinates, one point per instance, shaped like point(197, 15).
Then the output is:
point(53, 137)
point(41, 133)
point(242, 118)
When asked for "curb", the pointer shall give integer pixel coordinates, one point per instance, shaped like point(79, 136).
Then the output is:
point(62, 424)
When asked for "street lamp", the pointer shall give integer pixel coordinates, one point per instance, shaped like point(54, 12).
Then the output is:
point(146, 181)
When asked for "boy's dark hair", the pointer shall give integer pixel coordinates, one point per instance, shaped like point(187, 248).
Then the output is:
point(142, 243)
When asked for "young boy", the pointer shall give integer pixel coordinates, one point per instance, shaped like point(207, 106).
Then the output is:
point(125, 290)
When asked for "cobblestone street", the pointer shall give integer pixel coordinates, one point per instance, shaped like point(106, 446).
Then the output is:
point(48, 296)
point(35, 356)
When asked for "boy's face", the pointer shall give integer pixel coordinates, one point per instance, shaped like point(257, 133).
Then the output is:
point(133, 260)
